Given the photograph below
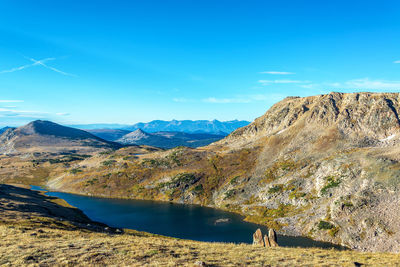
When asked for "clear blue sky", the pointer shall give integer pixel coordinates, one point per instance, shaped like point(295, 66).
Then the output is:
point(130, 61)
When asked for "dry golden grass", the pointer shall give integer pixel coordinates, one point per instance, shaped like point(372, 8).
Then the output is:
point(49, 244)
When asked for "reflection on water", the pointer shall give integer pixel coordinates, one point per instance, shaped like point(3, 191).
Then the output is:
point(177, 220)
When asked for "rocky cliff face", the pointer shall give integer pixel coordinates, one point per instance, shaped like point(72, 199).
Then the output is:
point(325, 166)
point(360, 115)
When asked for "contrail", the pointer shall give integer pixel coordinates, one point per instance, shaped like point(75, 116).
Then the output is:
point(26, 66)
point(41, 62)
point(37, 63)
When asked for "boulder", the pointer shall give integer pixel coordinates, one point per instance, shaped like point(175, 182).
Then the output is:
point(272, 238)
point(258, 238)
point(266, 241)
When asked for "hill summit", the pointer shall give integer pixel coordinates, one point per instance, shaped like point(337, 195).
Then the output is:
point(46, 136)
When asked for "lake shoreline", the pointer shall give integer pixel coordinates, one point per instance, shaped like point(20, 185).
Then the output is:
point(194, 206)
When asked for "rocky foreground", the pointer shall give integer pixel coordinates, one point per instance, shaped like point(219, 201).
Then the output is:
point(38, 230)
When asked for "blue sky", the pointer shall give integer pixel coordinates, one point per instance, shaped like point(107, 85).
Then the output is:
point(130, 61)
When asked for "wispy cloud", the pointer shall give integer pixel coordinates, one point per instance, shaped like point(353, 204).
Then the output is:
point(180, 100)
point(11, 101)
point(244, 99)
point(277, 72)
point(268, 82)
point(37, 63)
point(225, 100)
point(396, 62)
point(366, 83)
point(62, 114)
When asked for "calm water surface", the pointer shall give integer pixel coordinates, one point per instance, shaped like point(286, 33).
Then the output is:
point(177, 220)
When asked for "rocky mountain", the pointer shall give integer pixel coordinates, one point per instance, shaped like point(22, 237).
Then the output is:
point(2, 130)
point(189, 126)
point(97, 126)
point(168, 139)
point(39, 136)
point(109, 134)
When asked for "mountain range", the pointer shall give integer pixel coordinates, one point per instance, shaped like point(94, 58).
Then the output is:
point(187, 126)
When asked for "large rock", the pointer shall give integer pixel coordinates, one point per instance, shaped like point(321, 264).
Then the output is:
point(266, 241)
point(272, 238)
point(258, 238)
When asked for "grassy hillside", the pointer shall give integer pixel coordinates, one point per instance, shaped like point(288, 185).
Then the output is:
point(35, 231)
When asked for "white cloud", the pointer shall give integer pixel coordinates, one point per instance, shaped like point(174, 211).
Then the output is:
point(226, 100)
point(397, 61)
point(11, 101)
point(62, 114)
point(366, 83)
point(180, 99)
point(277, 72)
point(268, 82)
point(244, 99)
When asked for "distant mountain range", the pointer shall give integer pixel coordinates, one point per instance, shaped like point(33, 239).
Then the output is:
point(187, 126)
point(168, 139)
point(95, 126)
point(46, 136)
point(108, 134)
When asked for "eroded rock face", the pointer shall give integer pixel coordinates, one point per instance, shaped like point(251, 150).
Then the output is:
point(258, 238)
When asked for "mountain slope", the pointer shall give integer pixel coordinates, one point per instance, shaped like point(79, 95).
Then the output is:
point(189, 126)
point(46, 136)
point(2, 130)
point(168, 139)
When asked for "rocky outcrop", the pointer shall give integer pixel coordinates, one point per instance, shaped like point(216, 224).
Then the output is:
point(272, 237)
point(258, 238)
point(267, 241)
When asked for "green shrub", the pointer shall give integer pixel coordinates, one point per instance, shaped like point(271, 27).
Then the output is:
point(75, 171)
point(324, 225)
point(275, 189)
point(198, 189)
point(230, 193)
point(331, 183)
point(108, 162)
point(234, 180)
